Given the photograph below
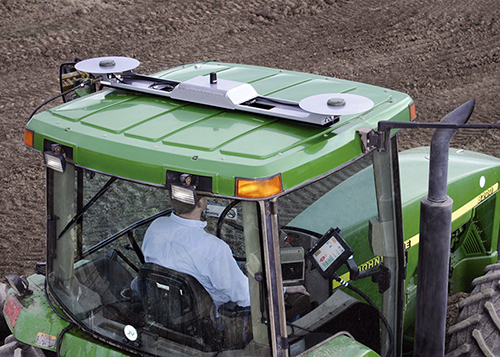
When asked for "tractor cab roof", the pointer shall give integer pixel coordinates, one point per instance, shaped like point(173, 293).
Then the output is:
point(136, 134)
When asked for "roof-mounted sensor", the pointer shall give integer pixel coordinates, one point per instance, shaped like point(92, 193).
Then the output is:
point(323, 109)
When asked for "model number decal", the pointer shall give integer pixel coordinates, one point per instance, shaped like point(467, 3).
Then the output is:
point(474, 202)
point(487, 193)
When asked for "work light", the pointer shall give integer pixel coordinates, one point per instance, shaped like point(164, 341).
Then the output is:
point(54, 161)
point(184, 194)
point(54, 158)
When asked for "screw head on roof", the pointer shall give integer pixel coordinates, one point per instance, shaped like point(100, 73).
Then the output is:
point(336, 102)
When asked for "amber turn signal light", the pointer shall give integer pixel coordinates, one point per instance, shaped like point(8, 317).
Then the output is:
point(29, 137)
point(413, 113)
point(258, 188)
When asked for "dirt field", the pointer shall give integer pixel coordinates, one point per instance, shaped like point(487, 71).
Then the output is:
point(440, 52)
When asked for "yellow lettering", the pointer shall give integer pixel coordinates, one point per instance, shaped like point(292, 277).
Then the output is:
point(367, 265)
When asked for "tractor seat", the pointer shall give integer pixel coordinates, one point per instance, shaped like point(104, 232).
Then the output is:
point(178, 307)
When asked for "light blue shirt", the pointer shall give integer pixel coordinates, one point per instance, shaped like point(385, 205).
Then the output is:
point(183, 245)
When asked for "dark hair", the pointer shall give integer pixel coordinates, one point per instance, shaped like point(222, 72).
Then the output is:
point(181, 207)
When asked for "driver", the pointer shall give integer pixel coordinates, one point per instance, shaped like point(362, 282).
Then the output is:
point(180, 242)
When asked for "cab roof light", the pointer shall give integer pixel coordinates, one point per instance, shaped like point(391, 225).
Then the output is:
point(413, 113)
point(259, 188)
point(29, 137)
point(184, 194)
point(54, 158)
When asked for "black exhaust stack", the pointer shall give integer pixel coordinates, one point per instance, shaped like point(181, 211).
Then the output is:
point(434, 247)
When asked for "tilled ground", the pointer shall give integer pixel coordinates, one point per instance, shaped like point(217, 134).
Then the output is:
point(440, 52)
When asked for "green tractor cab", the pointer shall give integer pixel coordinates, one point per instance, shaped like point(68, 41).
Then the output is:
point(297, 185)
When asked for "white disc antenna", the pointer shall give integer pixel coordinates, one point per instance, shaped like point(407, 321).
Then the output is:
point(336, 104)
point(106, 65)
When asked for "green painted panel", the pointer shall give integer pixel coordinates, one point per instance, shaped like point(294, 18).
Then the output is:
point(76, 344)
point(214, 131)
point(80, 108)
point(242, 74)
point(269, 85)
point(117, 119)
point(163, 125)
point(341, 346)
point(313, 87)
point(36, 316)
point(270, 140)
point(193, 70)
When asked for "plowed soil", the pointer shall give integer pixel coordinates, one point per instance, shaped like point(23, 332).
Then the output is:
point(442, 53)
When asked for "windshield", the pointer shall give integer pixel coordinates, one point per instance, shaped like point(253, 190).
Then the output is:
point(345, 201)
point(131, 271)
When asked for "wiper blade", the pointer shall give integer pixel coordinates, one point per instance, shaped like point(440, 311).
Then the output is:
point(89, 204)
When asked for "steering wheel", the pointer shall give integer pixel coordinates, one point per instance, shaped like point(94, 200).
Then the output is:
point(223, 219)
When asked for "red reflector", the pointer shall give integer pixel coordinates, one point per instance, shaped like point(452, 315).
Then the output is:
point(12, 310)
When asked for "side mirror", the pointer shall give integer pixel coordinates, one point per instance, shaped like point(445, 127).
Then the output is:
point(19, 284)
point(70, 77)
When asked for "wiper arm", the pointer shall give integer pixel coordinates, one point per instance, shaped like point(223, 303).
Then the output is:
point(89, 204)
point(131, 227)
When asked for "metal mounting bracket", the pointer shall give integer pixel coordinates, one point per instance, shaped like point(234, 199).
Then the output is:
point(370, 139)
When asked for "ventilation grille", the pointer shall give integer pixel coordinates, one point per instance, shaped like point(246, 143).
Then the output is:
point(473, 243)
